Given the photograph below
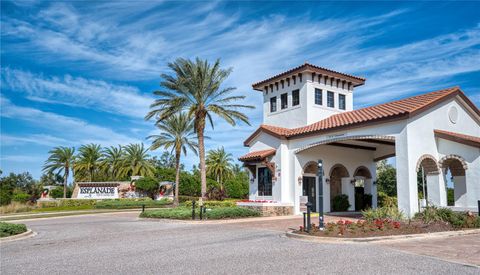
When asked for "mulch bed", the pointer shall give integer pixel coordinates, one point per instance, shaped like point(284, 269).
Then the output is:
point(415, 227)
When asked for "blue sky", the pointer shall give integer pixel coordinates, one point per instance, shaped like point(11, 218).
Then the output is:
point(79, 72)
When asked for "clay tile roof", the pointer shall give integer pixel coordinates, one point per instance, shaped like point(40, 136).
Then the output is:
point(377, 113)
point(383, 111)
point(307, 66)
point(257, 155)
point(457, 137)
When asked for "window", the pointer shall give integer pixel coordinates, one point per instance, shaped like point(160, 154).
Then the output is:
point(341, 102)
point(330, 99)
point(295, 97)
point(284, 101)
point(273, 104)
point(318, 96)
point(264, 182)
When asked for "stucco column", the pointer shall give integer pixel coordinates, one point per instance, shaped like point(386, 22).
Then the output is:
point(460, 191)
point(407, 194)
point(349, 190)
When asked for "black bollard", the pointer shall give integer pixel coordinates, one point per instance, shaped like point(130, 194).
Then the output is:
point(193, 209)
point(201, 212)
point(143, 208)
point(478, 208)
point(205, 212)
point(309, 224)
point(304, 221)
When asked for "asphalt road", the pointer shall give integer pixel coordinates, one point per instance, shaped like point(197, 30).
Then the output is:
point(122, 244)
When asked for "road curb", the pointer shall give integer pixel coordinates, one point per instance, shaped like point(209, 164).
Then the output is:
point(27, 234)
point(382, 239)
point(224, 221)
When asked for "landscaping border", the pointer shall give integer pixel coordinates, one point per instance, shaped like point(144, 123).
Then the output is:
point(382, 239)
point(27, 234)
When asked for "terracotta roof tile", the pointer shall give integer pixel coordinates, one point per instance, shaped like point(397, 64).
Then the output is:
point(257, 155)
point(390, 110)
point(307, 66)
point(457, 137)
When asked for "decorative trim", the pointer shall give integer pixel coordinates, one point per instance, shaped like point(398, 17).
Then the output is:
point(432, 158)
point(369, 175)
point(343, 138)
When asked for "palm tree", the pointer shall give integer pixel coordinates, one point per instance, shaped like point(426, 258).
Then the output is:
point(136, 161)
point(176, 133)
point(195, 87)
point(88, 161)
point(60, 160)
point(112, 161)
point(219, 165)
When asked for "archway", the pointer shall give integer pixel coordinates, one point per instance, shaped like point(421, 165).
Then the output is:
point(337, 172)
point(309, 183)
point(428, 184)
point(364, 190)
point(455, 166)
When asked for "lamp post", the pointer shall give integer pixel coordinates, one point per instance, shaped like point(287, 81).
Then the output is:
point(321, 224)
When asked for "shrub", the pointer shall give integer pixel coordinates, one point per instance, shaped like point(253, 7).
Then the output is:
point(340, 203)
point(10, 229)
point(391, 213)
point(231, 213)
point(216, 193)
point(21, 197)
point(183, 213)
point(213, 204)
point(57, 192)
point(237, 187)
point(148, 185)
point(432, 214)
point(182, 199)
point(16, 207)
point(385, 200)
point(131, 203)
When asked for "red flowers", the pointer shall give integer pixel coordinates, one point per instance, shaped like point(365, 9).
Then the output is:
point(260, 201)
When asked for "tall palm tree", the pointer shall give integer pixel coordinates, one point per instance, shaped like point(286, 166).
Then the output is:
point(112, 161)
point(88, 161)
point(61, 159)
point(136, 161)
point(219, 165)
point(195, 86)
point(177, 134)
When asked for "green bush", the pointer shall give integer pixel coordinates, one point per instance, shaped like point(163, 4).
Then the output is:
point(66, 203)
point(340, 203)
point(183, 213)
point(450, 196)
point(10, 229)
point(385, 200)
point(57, 192)
point(131, 203)
point(391, 213)
point(456, 219)
point(213, 204)
point(237, 187)
point(231, 213)
point(21, 197)
point(182, 199)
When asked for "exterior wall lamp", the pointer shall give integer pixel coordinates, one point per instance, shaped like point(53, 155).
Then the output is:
point(374, 182)
point(300, 180)
point(353, 181)
point(327, 181)
point(252, 180)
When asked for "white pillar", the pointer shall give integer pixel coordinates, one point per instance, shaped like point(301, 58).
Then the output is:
point(407, 194)
point(460, 191)
point(349, 190)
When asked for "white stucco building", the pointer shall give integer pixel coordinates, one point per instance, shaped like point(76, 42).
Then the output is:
point(309, 122)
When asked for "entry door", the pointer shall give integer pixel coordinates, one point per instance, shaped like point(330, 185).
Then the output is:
point(309, 191)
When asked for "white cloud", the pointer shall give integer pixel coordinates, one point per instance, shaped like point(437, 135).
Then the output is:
point(40, 139)
point(75, 130)
point(78, 91)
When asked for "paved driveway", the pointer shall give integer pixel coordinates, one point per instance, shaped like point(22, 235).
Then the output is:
point(120, 243)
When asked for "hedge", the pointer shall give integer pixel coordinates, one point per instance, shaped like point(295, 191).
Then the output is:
point(131, 203)
point(10, 229)
point(213, 204)
point(183, 213)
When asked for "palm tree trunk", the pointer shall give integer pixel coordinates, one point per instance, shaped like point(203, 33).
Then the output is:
point(65, 183)
point(201, 154)
point(177, 176)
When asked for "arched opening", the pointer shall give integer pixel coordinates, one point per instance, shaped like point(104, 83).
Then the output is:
point(363, 188)
point(454, 167)
point(337, 172)
point(309, 183)
point(427, 180)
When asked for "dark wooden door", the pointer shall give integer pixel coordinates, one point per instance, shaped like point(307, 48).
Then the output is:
point(309, 190)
